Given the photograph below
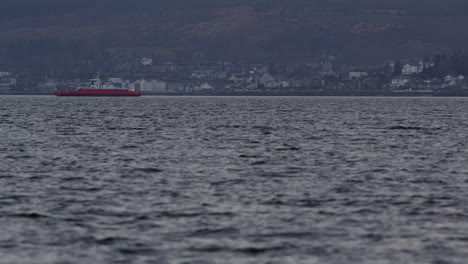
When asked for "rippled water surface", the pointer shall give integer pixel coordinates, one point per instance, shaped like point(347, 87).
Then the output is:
point(233, 180)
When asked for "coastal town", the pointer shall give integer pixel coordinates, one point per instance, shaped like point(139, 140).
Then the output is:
point(323, 77)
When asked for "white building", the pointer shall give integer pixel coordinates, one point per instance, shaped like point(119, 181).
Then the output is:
point(115, 80)
point(266, 78)
point(7, 81)
point(357, 74)
point(146, 61)
point(203, 87)
point(450, 80)
point(400, 81)
point(409, 69)
point(261, 69)
point(4, 74)
point(268, 81)
point(155, 86)
point(285, 83)
point(238, 79)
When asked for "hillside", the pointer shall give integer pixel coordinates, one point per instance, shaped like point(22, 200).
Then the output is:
point(362, 31)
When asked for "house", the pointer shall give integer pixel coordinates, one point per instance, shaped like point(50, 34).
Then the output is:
point(250, 80)
point(268, 81)
point(464, 85)
point(47, 86)
point(117, 82)
point(266, 78)
point(262, 69)
point(410, 69)
point(284, 83)
point(400, 81)
point(146, 61)
point(155, 86)
point(174, 87)
point(221, 75)
point(238, 78)
point(7, 82)
point(450, 80)
point(426, 86)
point(273, 85)
point(357, 74)
point(4, 74)
point(144, 85)
point(204, 87)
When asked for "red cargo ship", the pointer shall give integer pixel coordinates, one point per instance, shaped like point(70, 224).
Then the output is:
point(97, 88)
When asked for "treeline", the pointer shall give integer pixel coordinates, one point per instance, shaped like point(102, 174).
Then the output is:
point(33, 8)
point(292, 34)
point(444, 64)
point(24, 8)
point(68, 58)
point(45, 46)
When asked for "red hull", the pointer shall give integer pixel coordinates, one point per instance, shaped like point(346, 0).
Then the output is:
point(98, 92)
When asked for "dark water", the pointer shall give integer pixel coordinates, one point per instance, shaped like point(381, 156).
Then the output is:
point(233, 180)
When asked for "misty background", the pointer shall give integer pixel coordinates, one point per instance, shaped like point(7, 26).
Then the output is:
point(73, 33)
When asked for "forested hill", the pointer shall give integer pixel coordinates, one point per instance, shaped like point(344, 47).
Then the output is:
point(261, 30)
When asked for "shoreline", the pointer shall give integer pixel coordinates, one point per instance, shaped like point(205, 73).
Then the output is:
point(286, 94)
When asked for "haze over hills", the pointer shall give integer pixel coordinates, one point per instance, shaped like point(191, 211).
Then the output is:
point(362, 31)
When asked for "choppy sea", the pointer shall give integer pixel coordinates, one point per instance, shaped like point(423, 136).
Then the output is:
point(278, 180)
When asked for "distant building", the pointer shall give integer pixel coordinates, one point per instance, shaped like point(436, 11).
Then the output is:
point(427, 85)
point(4, 74)
point(284, 83)
point(262, 69)
point(266, 78)
point(117, 82)
point(48, 86)
point(204, 87)
point(238, 78)
point(327, 64)
point(221, 75)
point(155, 86)
point(356, 74)
point(7, 81)
point(146, 61)
point(400, 81)
point(175, 87)
point(409, 69)
point(269, 82)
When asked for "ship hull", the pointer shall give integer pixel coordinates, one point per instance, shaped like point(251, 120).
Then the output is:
point(98, 92)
